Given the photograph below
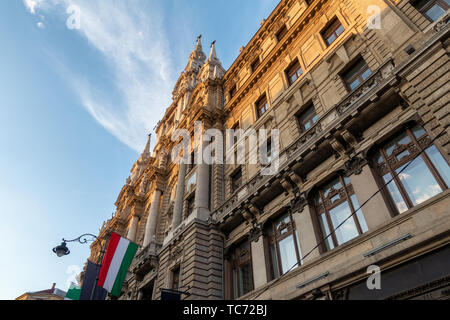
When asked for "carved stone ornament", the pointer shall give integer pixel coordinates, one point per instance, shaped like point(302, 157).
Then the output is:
point(255, 233)
point(298, 203)
point(354, 166)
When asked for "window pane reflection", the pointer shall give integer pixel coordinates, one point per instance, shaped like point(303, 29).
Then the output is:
point(418, 182)
point(287, 253)
point(439, 162)
point(348, 230)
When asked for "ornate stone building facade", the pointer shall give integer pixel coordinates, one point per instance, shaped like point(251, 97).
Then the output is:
point(358, 90)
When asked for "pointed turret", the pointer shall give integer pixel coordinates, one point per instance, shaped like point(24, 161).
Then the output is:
point(212, 69)
point(197, 57)
point(146, 153)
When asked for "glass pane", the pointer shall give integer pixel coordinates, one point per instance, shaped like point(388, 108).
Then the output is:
point(282, 220)
point(331, 39)
point(340, 30)
point(435, 12)
point(245, 278)
point(395, 194)
point(353, 85)
point(418, 131)
point(366, 74)
point(439, 162)
point(273, 255)
point(418, 181)
point(403, 139)
point(359, 214)
point(348, 230)
point(287, 253)
point(402, 155)
point(326, 231)
point(379, 158)
point(235, 284)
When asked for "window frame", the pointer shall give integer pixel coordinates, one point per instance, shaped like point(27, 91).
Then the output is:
point(176, 276)
point(275, 236)
point(358, 74)
point(255, 64)
point(390, 164)
point(423, 10)
point(331, 29)
point(281, 33)
point(232, 92)
point(345, 192)
point(235, 263)
point(235, 187)
point(262, 104)
point(310, 118)
point(292, 70)
point(190, 205)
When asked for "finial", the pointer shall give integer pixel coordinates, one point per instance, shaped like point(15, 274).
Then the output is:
point(213, 43)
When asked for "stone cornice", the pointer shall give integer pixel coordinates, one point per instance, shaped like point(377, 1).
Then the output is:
point(272, 56)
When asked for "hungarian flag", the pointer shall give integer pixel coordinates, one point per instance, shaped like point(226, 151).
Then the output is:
point(117, 260)
point(73, 293)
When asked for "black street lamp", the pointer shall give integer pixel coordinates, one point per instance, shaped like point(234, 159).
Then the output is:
point(62, 249)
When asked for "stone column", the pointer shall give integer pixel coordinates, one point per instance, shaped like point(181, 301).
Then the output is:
point(259, 263)
point(306, 235)
point(201, 208)
point(133, 228)
point(375, 211)
point(179, 194)
point(150, 227)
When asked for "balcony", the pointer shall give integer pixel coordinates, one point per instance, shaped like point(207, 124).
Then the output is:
point(146, 260)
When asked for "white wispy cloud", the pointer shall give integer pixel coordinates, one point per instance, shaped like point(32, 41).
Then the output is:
point(40, 25)
point(32, 5)
point(135, 47)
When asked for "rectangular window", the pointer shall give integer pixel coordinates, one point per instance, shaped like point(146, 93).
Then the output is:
point(308, 118)
point(284, 245)
point(255, 64)
point(356, 74)
point(190, 206)
point(262, 106)
point(413, 177)
point(432, 9)
point(332, 31)
point(241, 270)
point(281, 33)
point(176, 279)
point(335, 205)
point(232, 91)
point(236, 181)
point(294, 72)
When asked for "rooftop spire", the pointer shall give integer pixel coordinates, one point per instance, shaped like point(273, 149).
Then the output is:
point(198, 45)
point(213, 54)
point(147, 146)
point(197, 57)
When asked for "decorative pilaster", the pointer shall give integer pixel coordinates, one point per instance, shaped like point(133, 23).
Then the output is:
point(179, 195)
point(150, 228)
point(132, 231)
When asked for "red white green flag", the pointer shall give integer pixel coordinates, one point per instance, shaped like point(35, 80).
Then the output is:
point(117, 260)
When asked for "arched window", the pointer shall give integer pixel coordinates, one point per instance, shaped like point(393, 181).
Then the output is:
point(334, 203)
point(240, 269)
point(427, 173)
point(284, 245)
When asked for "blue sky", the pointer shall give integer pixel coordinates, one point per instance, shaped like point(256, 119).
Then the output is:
point(76, 106)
